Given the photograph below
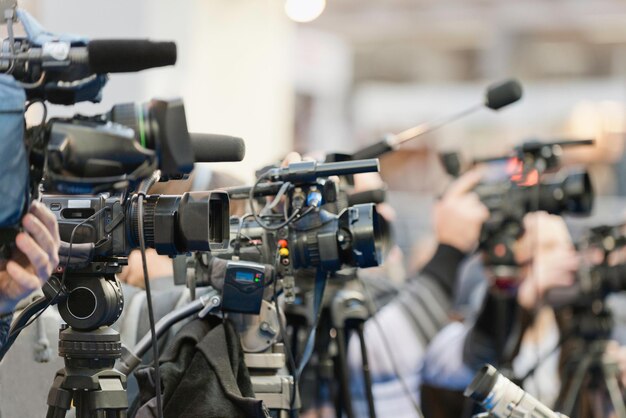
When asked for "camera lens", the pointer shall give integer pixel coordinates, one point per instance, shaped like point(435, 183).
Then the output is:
point(571, 195)
point(196, 221)
point(368, 235)
point(482, 384)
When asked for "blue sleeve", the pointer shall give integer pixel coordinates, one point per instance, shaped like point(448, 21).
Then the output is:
point(443, 362)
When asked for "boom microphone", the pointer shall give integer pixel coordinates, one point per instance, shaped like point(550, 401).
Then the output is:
point(497, 96)
point(212, 148)
point(503, 94)
point(100, 56)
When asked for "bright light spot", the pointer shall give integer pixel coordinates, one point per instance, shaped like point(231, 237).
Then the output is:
point(304, 10)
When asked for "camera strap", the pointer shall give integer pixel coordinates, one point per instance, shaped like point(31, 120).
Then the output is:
point(320, 286)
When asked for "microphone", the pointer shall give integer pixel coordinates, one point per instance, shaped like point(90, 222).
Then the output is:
point(496, 97)
point(100, 56)
point(212, 148)
point(128, 55)
point(503, 94)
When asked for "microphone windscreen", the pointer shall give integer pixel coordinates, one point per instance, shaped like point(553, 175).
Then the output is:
point(503, 94)
point(129, 55)
point(212, 148)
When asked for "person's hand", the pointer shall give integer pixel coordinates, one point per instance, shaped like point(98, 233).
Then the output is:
point(36, 256)
point(547, 243)
point(459, 215)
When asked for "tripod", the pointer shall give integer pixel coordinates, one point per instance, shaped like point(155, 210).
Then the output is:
point(349, 311)
point(344, 311)
point(89, 347)
point(591, 369)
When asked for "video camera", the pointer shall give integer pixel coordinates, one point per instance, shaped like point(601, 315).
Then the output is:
point(527, 182)
point(92, 155)
point(64, 69)
point(503, 398)
point(312, 237)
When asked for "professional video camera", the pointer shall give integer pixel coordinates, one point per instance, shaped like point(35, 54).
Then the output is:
point(92, 155)
point(306, 243)
point(503, 398)
point(527, 182)
point(88, 155)
point(311, 237)
point(104, 166)
point(60, 69)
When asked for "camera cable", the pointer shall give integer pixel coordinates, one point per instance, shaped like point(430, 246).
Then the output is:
point(290, 360)
point(389, 352)
point(257, 217)
point(141, 194)
point(536, 200)
point(237, 246)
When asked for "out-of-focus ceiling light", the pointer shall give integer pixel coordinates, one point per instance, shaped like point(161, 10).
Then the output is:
point(304, 10)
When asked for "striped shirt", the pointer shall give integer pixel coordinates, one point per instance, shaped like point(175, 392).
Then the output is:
point(407, 324)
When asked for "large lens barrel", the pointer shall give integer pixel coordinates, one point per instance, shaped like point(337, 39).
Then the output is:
point(354, 238)
point(195, 221)
point(572, 195)
point(364, 235)
point(503, 398)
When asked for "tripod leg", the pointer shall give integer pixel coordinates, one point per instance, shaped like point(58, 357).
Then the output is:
point(576, 383)
point(617, 400)
point(342, 359)
point(55, 412)
point(59, 399)
point(367, 377)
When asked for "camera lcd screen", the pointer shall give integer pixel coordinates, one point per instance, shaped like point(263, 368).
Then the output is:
point(244, 276)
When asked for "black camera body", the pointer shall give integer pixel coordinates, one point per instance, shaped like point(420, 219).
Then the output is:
point(194, 221)
point(319, 239)
point(510, 199)
point(115, 150)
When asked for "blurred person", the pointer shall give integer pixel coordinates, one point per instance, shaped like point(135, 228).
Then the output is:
point(416, 310)
point(30, 265)
point(457, 353)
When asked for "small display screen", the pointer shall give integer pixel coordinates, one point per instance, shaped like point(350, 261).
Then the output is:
point(245, 276)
